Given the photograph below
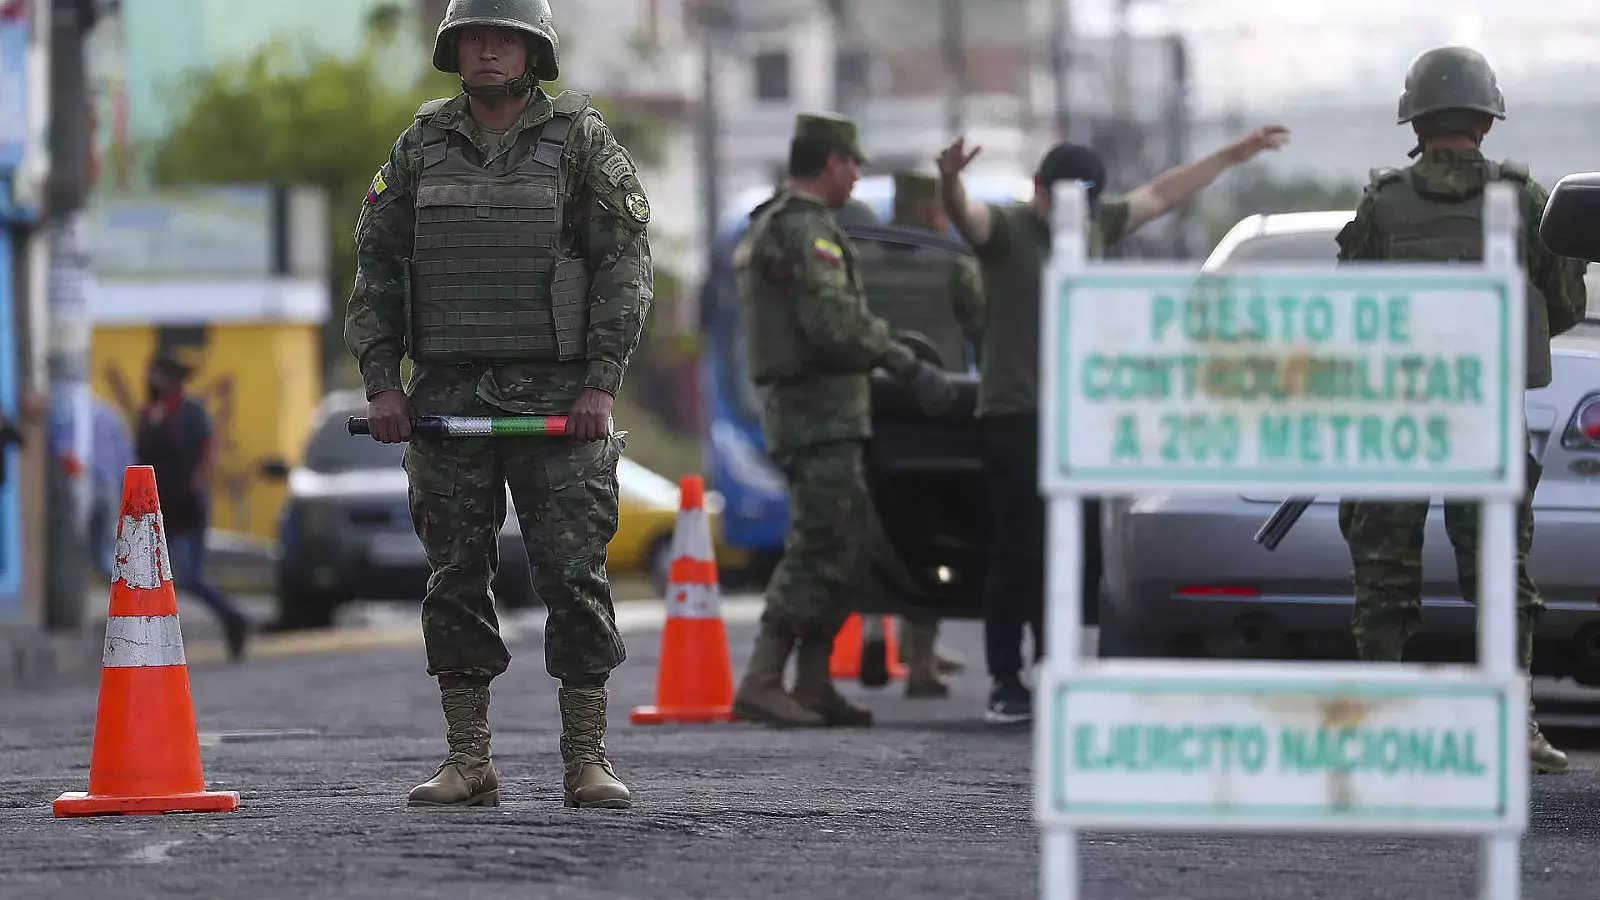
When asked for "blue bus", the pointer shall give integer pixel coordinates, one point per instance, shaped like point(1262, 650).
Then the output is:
point(755, 514)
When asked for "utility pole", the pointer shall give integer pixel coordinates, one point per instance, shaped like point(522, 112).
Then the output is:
point(714, 21)
point(66, 193)
point(1061, 65)
point(955, 67)
point(1121, 101)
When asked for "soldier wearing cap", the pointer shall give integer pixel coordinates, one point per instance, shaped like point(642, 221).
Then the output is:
point(503, 247)
point(811, 343)
point(1012, 243)
point(1433, 212)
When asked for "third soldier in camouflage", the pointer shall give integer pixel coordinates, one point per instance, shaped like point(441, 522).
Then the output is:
point(1432, 212)
point(503, 247)
point(811, 343)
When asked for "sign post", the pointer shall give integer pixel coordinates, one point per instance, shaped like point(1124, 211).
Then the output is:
point(1367, 380)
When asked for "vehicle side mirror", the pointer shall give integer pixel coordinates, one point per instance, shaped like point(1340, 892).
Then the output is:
point(275, 469)
point(1570, 225)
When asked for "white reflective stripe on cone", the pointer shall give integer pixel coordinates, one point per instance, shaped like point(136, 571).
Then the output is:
point(138, 641)
point(693, 535)
point(142, 560)
point(694, 601)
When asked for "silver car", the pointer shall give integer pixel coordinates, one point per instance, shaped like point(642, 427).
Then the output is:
point(1183, 576)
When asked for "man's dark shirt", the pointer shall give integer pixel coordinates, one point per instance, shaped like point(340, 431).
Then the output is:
point(172, 438)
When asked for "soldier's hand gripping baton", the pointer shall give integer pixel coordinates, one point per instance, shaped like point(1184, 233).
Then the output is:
point(480, 426)
point(1277, 526)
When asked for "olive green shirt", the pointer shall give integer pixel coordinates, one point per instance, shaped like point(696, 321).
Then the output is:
point(1012, 260)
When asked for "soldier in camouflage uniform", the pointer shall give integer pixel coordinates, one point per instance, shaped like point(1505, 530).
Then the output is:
point(1432, 212)
point(811, 343)
point(503, 247)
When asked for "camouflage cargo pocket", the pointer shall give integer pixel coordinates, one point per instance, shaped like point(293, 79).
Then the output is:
point(431, 493)
point(583, 501)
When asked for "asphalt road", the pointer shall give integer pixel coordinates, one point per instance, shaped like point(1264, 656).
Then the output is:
point(324, 734)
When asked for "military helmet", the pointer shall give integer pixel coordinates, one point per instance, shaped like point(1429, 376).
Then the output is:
point(1450, 78)
point(532, 17)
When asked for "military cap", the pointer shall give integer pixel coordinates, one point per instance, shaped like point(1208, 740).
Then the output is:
point(915, 187)
point(837, 131)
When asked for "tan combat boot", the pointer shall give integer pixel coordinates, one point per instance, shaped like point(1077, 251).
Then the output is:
point(761, 697)
point(922, 670)
point(1545, 759)
point(588, 781)
point(467, 776)
point(813, 686)
point(946, 660)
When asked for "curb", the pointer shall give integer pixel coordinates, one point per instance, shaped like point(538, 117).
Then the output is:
point(32, 660)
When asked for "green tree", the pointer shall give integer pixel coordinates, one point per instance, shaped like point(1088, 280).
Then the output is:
point(1257, 190)
point(292, 114)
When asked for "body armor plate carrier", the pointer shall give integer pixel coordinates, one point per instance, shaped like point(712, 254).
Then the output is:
point(492, 280)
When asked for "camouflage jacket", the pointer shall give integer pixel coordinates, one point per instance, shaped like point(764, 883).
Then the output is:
point(965, 290)
point(610, 219)
point(810, 339)
point(1556, 292)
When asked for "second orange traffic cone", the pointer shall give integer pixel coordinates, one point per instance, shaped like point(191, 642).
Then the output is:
point(695, 680)
point(850, 653)
point(146, 756)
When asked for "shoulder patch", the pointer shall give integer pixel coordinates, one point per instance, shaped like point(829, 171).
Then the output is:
point(827, 251)
point(615, 167)
point(638, 207)
point(376, 189)
point(432, 106)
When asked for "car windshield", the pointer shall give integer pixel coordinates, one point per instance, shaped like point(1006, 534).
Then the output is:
point(334, 449)
point(1290, 247)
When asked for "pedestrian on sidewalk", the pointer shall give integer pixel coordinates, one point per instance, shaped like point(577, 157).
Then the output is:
point(174, 437)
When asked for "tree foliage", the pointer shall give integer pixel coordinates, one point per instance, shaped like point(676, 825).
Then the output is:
point(1257, 190)
point(289, 113)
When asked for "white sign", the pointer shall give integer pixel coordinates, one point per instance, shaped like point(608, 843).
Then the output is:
point(1384, 380)
point(1259, 746)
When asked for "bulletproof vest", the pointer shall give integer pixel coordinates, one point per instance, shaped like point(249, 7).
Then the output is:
point(776, 348)
point(493, 278)
point(1426, 227)
point(909, 287)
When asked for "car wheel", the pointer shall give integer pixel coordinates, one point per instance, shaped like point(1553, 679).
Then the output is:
point(302, 606)
point(513, 587)
point(1117, 640)
point(660, 560)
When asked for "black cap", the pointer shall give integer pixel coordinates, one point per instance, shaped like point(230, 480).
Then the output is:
point(1072, 162)
point(170, 364)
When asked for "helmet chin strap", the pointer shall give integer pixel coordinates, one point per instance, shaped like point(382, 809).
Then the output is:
point(492, 93)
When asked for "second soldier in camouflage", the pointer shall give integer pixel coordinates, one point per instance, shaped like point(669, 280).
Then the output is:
point(811, 343)
point(503, 247)
point(1432, 212)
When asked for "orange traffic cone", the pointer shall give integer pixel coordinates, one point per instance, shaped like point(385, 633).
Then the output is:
point(695, 680)
point(146, 756)
point(850, 654)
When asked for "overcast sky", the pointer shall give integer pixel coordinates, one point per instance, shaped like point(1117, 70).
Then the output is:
point(1255, 52)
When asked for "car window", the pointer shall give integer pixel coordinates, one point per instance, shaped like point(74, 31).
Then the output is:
point(1292, 248)
point(334, 449)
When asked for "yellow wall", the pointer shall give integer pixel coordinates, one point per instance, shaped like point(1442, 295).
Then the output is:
point(261, 384)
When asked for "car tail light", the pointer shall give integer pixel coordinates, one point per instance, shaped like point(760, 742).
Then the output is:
point(1585, 428)
point(1218, 590)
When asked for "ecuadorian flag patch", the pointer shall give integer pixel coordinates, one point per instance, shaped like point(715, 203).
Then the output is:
point(827, 251)
point(377, 188)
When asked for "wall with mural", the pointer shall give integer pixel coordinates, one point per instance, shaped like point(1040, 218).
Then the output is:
point(261, 384)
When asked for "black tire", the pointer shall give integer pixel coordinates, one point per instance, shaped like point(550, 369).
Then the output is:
point(301, 606)
point(513, 587)
point(659, 560)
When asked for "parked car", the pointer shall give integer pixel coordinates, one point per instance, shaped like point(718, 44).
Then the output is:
point(1183, 576)
point(345, 532)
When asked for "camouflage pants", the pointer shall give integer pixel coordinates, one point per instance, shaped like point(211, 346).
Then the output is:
point(1386, 555)
point(565, 494)
point(813, 589)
